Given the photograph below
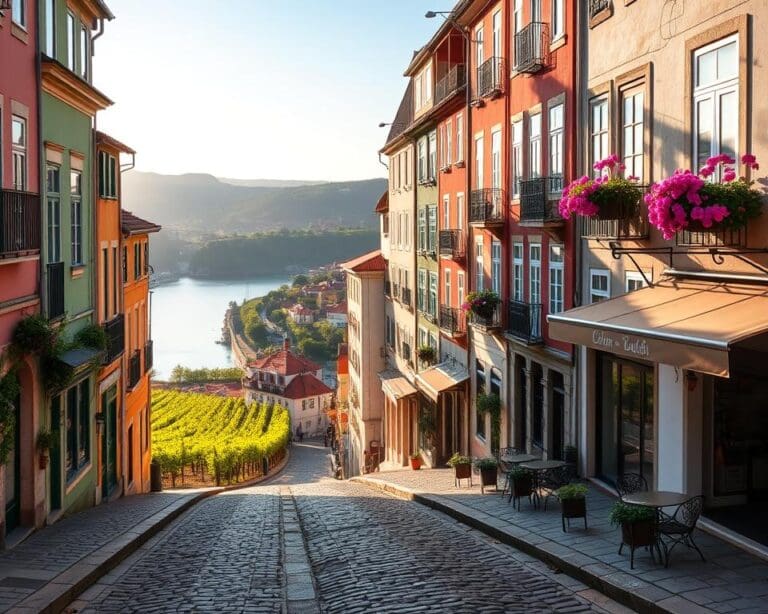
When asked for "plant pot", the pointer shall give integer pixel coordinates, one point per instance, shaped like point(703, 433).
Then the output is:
point(574, 508)
point(462, 471)
point(638, 534)
point(43, 460)
point(522, 487)
point(612, 210)
point(488, 477)
point(484, 313)
point(415, 463)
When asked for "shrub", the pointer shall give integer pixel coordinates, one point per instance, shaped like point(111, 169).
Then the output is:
point(458, 459)
point(622, 513)
point(572, 491)
point(488, 462)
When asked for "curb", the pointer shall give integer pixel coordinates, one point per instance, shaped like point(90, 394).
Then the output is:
point(573, 567)
point(65, 588)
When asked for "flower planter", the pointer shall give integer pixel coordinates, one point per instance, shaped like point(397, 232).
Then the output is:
point(488, 477)
point(415, 463)
point(484, 313)
point(462, 471)
point(573, 508)
point(612, 210)
point(522, 487)
point(638, 534)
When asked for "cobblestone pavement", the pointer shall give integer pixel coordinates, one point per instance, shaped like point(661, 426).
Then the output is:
point(364, 551)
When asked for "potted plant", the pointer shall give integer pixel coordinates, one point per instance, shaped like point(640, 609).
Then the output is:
point(482, 304)
point(415, 461)
point(610, 196)
point(710, 200)
point(426, 354)
point(638, 526)
point(521, 484)
point(45, 441)
point(573, 502)
point(490, 404)
point(462, 468)
point(488, 468)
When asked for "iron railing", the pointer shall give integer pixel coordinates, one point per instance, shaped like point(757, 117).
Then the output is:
point(488, 322)
point(149, 356)
point(532, 47)
point(629, 220)
point(55, 289)
point(19, 223)
point(490, 77)
point(115, 333)
point(268, 387)
point(524, 321)
point(452, 320)
point(452, 244)
point(732, 237)
point(452, 82)
point(134, 369)
point(487, 206)
point(598, 6)
point(535, 204)
point(405, 297)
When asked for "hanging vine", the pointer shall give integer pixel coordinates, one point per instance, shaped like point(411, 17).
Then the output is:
point(491, 404)
point(9, 392)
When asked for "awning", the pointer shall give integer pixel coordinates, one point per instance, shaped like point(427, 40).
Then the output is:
point(395, 385)
point(688, 323)
point(440, 378)
point(77, 357)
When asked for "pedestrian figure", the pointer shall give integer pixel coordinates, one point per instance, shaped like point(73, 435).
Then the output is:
point(299, 433)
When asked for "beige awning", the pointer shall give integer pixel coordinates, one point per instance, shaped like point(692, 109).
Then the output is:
point(395, 385)
point(440, 378)
point(688, 323)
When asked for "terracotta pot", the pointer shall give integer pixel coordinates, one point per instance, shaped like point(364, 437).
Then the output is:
point(522, 487)
point(488, 476)
point(43, 460)
point(462, 471)
point(415, 463)
point(641, 533)
point(574, 508)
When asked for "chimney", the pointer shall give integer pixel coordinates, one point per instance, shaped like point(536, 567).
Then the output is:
point(286, 343)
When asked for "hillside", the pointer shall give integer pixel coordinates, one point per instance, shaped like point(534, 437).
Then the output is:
point(199, 202)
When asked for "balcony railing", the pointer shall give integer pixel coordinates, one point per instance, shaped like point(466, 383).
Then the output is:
point(149, 356)
point(532, 47)
point(598, 6)
point(536, 207)
point(268, 387)
point(453, 320)
point(630, 222)
point(452, 82)
point(490, 78)
point(19, 223)
point(524, 321)
point(134, 369)
point(55, 289)
point(405, 297)
point(487, 323)
point(452, 244)
point(115, 333)
point(487, 206)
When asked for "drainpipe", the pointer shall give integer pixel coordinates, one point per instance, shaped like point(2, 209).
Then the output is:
point(466, 148)
point(384, 164)
point(98, 34)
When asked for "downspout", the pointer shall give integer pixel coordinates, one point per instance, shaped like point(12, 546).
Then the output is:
point(384, 164)
point(465, 222)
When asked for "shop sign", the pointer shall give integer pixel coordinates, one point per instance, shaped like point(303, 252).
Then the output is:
point(625, 344)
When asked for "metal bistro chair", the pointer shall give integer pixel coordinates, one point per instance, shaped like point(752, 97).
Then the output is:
point(505, 467)
point(678, 528)
point(553, 479)
point(629, 484)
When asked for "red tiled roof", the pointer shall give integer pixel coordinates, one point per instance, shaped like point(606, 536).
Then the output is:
point(383, 205)
point(134, 225)
point(372, 261)
point(284, 362)
point(340, 308)
point(105, 139)
point(305, 385)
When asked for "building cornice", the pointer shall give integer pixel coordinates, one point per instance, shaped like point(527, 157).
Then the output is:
point(62, 83)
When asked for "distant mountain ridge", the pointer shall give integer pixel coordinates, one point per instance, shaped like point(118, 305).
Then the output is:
point(202, 203)
point(269, 183)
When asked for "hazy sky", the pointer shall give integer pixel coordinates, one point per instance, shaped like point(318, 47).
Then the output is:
point(279, 89)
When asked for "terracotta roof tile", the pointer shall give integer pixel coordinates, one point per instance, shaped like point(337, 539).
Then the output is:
point(104, 139)
point(305, 385)
point(383, 205)
point(134, 225)
point(285, 362)
point(372, 261)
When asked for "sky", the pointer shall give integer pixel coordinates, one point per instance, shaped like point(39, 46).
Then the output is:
point(267, 89)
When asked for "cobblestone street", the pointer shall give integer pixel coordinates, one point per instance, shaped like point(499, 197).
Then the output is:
point(306, 543)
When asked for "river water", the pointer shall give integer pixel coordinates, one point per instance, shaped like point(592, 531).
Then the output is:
point(187, 317)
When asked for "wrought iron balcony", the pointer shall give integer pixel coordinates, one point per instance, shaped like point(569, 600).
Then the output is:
point(486, 207)
point(452, 82)
point(405, 297)
point(55, 272)
point(487, 323)
point(524, 321)
point(149, 356)
point(628, 221)
point(268, 387)
point(452, 244)
point(115, 333)
point(453, 320)
point(598, 6)
point(134, 369)
point(490, 78)
point(532, 47)
point(536, 207)
point(19, 223)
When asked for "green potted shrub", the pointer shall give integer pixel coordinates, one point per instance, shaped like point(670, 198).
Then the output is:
point(521, 484)
point(426, 354)
point(488, 468)
point(482, 304)
point(45, 441)
point(462, 468)
point(415, 461)
point(573, 502)
point(638, 526)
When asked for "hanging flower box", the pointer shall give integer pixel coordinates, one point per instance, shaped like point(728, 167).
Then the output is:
point(483, 304)
point(696, 203)
point(610, 196)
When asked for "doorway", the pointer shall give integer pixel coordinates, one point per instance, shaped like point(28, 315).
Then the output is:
point(558, 416)
point(13, 471)
point(109, 441)
point(54, 484)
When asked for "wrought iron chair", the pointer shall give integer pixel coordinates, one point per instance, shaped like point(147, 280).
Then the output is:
point(553, 479)
point(506, 467)
point(678, 528)
point(630, 483)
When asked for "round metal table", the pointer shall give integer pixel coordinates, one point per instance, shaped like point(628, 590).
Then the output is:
point(543, 465)
point(515, 459)
point(657, 498)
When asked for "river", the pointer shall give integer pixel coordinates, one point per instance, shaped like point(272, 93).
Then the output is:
point(187, 317)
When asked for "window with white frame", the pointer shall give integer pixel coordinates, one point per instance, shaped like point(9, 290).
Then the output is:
point(479, 162)
point(632, 131)
point(407, 168)
point(53, 208)
point(422, 240)
point(558, 19)
point(71, 41)
point(517, 157)
point(460, 288)
point(716, 100)
point(479, 276)
point(432, 299)
point(85, 54)
point(496, 24)
point(427, 84)
point(443, 157)
point(518, 272)
point(534, 146)
point(496, 266)
point(19, 12)
point(19, 152)
point(495, 163)
point(421, 291)
point(599, 285)
point(432, 159)
point(556, 280)
point(447, 287)
point(446, 212)
point(556, 132)
point(50, 29)
point(460, 211)
point(633, 280)
point(76, 217)
point(598, 129)
point(479, 49)
point(449, 143)
point(459, 138)
point(518, 15)
point(534, 277)
point(422, 159)
point(432, 228)
point(417, 98)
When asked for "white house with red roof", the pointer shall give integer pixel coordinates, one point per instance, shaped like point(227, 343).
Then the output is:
point(337, 314)
point(293, 381)
point(301, 314)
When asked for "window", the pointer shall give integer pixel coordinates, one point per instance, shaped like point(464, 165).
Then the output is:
point(432, 227)
point(130, 454)
point(517, 272)
point(556, 148)
point(632, 133)
point(479, 264)
point(446, 212)
point(556, 281)
point(50, 28)
point(115, 306)
point(479, 162)
point(107, 175)
point(518, 15)
point(422, 240)
point(417, 92)
point(479, 389)
point(496, 163)
point(105, 282)
point(390, 332)
point(443, 157)
point(421, 291)
point(517, 157)
point(422, 159)
point(76, 219)
point(496, 23)
point(447, 287)
point(19, 12)
point(598, 130)
point(535, 10)
point(146, 257)
point(136, 260)
point(407, 168)
point(432, 306)
point(496, 266)
point(534, 145)
point(460, 287)
point(459, 138)
point(71, 41)
point(634, 281)
point(448, 143)
point(85, 42)
point(716, 100)
point(558, 19)
point(19, 152)
point(427, 84)
point(77, 444)
point(53, 200)
point(600, 285)
point(432, 160)
point(460, 211)
point(125, 264)
point(479, 51)
point(534, 267)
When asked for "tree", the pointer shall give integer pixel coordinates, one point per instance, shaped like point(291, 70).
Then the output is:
point(316, 350)
point(257, 333)
point(300, 280)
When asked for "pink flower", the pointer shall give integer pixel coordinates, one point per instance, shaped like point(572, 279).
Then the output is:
point(748, 159)
point(729, 175)
point(706, 171)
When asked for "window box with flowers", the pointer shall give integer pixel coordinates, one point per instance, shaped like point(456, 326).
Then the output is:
point(426, 354)
point(711, 200)
point(483, 304)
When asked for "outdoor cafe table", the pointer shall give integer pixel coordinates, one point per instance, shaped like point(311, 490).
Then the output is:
point(516, 459)
point(656, 499)
point(540, 467)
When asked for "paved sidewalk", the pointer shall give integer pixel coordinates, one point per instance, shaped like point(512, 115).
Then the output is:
point(731, 580)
